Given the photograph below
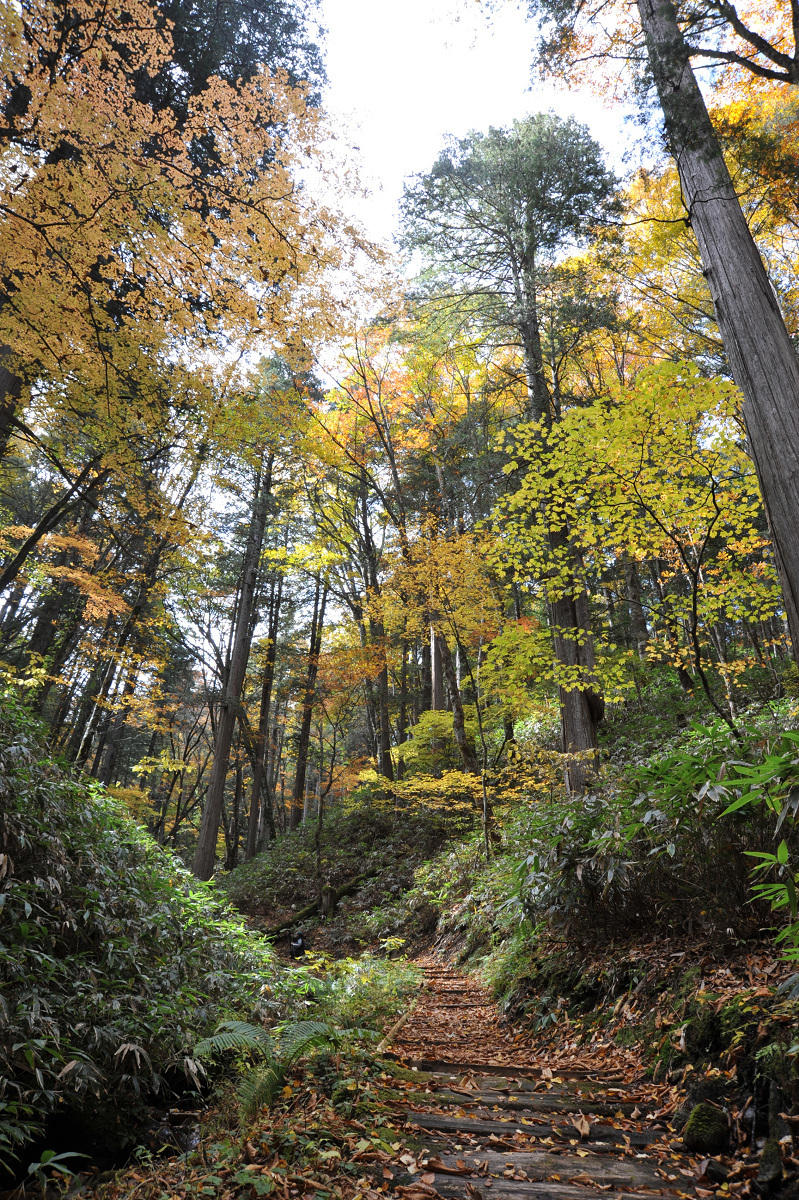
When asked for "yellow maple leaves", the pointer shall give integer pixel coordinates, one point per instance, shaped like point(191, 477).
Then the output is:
point(131, 238)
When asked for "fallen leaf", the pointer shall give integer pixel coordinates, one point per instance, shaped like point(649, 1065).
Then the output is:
point(582, 1125)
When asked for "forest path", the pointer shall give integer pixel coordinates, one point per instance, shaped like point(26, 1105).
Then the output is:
point(488, 1117)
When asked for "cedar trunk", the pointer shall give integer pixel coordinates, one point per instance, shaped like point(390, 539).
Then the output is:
point(762, 359)
point(205, 854)
point(304, 734)
point(261, 796)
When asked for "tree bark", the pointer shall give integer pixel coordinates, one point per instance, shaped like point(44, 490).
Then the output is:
point(639, 633)
point(260, 797)
point(762, 359)
point(436, 673)
point(304, 735)
point(205, 854)
point(402, 716)
point(10, 396)
point(466, 749)
point(581, 708)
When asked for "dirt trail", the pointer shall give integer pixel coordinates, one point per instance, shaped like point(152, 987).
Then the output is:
point(489, 1119)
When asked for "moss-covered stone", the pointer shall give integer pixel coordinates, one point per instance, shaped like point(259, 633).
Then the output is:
point(702, 1032)
point(707, 1129)
point(769, 1173)
point(701, 1086)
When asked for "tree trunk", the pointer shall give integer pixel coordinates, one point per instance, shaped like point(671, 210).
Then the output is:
point(581, 708)
point(458, 721)
point(112, 742)
point(10, 396)
point(436, 673)
point(304, 735)
point(762, 359)
point(205, 854)
point(260, 796)
point(424, 696)
point(384, 764)
point(639, 633)
point(402, 716)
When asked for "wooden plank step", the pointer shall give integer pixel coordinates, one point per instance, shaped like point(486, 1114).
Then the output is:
point(542, 1102)
point(539, 1164)
point(454, 1188)
point(506, 1073)
point(446, 1123)
point(465, 1004)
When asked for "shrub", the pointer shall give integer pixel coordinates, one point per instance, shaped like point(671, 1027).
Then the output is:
point(665, 844)
point(113, 961)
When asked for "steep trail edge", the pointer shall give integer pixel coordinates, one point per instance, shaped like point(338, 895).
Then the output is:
point(490, 1116)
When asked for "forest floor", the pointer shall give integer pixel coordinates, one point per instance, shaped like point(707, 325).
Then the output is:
point(459, 1103)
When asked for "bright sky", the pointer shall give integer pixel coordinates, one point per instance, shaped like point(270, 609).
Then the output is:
point(404, 73)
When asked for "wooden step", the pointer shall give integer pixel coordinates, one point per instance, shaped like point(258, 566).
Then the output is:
point(454, 1188)
point(542, 1102)
point(595, 1168)
point(502, 1075)
point(446, 1123)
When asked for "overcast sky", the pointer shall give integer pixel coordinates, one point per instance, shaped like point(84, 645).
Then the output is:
point(404, 73)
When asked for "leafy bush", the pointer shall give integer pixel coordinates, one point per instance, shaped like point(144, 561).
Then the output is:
point(347, 1002)
point(113, 960)
point(367, 992)
point(665, 845)
point(361, 993)
point(771, 788)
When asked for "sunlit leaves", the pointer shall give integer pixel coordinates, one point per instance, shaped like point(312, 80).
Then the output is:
point(657, 471)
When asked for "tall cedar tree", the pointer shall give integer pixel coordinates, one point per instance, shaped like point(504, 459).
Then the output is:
point(492, 215)
point(762, 359)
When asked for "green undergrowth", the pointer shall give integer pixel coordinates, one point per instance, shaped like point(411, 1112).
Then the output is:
point(113, 960)
point(117, 968)
point(366, 838)
point(364, 993)
point(340, 1005)
point(695, 842)
point(699, 839)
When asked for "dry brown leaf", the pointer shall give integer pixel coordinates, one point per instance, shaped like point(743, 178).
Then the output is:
point(582, 1125)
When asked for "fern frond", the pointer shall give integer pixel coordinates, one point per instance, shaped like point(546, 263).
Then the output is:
point(259, 1087)
point(235, 1035)
point(295, 1040)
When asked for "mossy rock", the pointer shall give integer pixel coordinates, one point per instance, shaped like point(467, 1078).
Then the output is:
point(769, 1173)
point(707, 1129)
point(702, 1032)
point(701, 1086)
